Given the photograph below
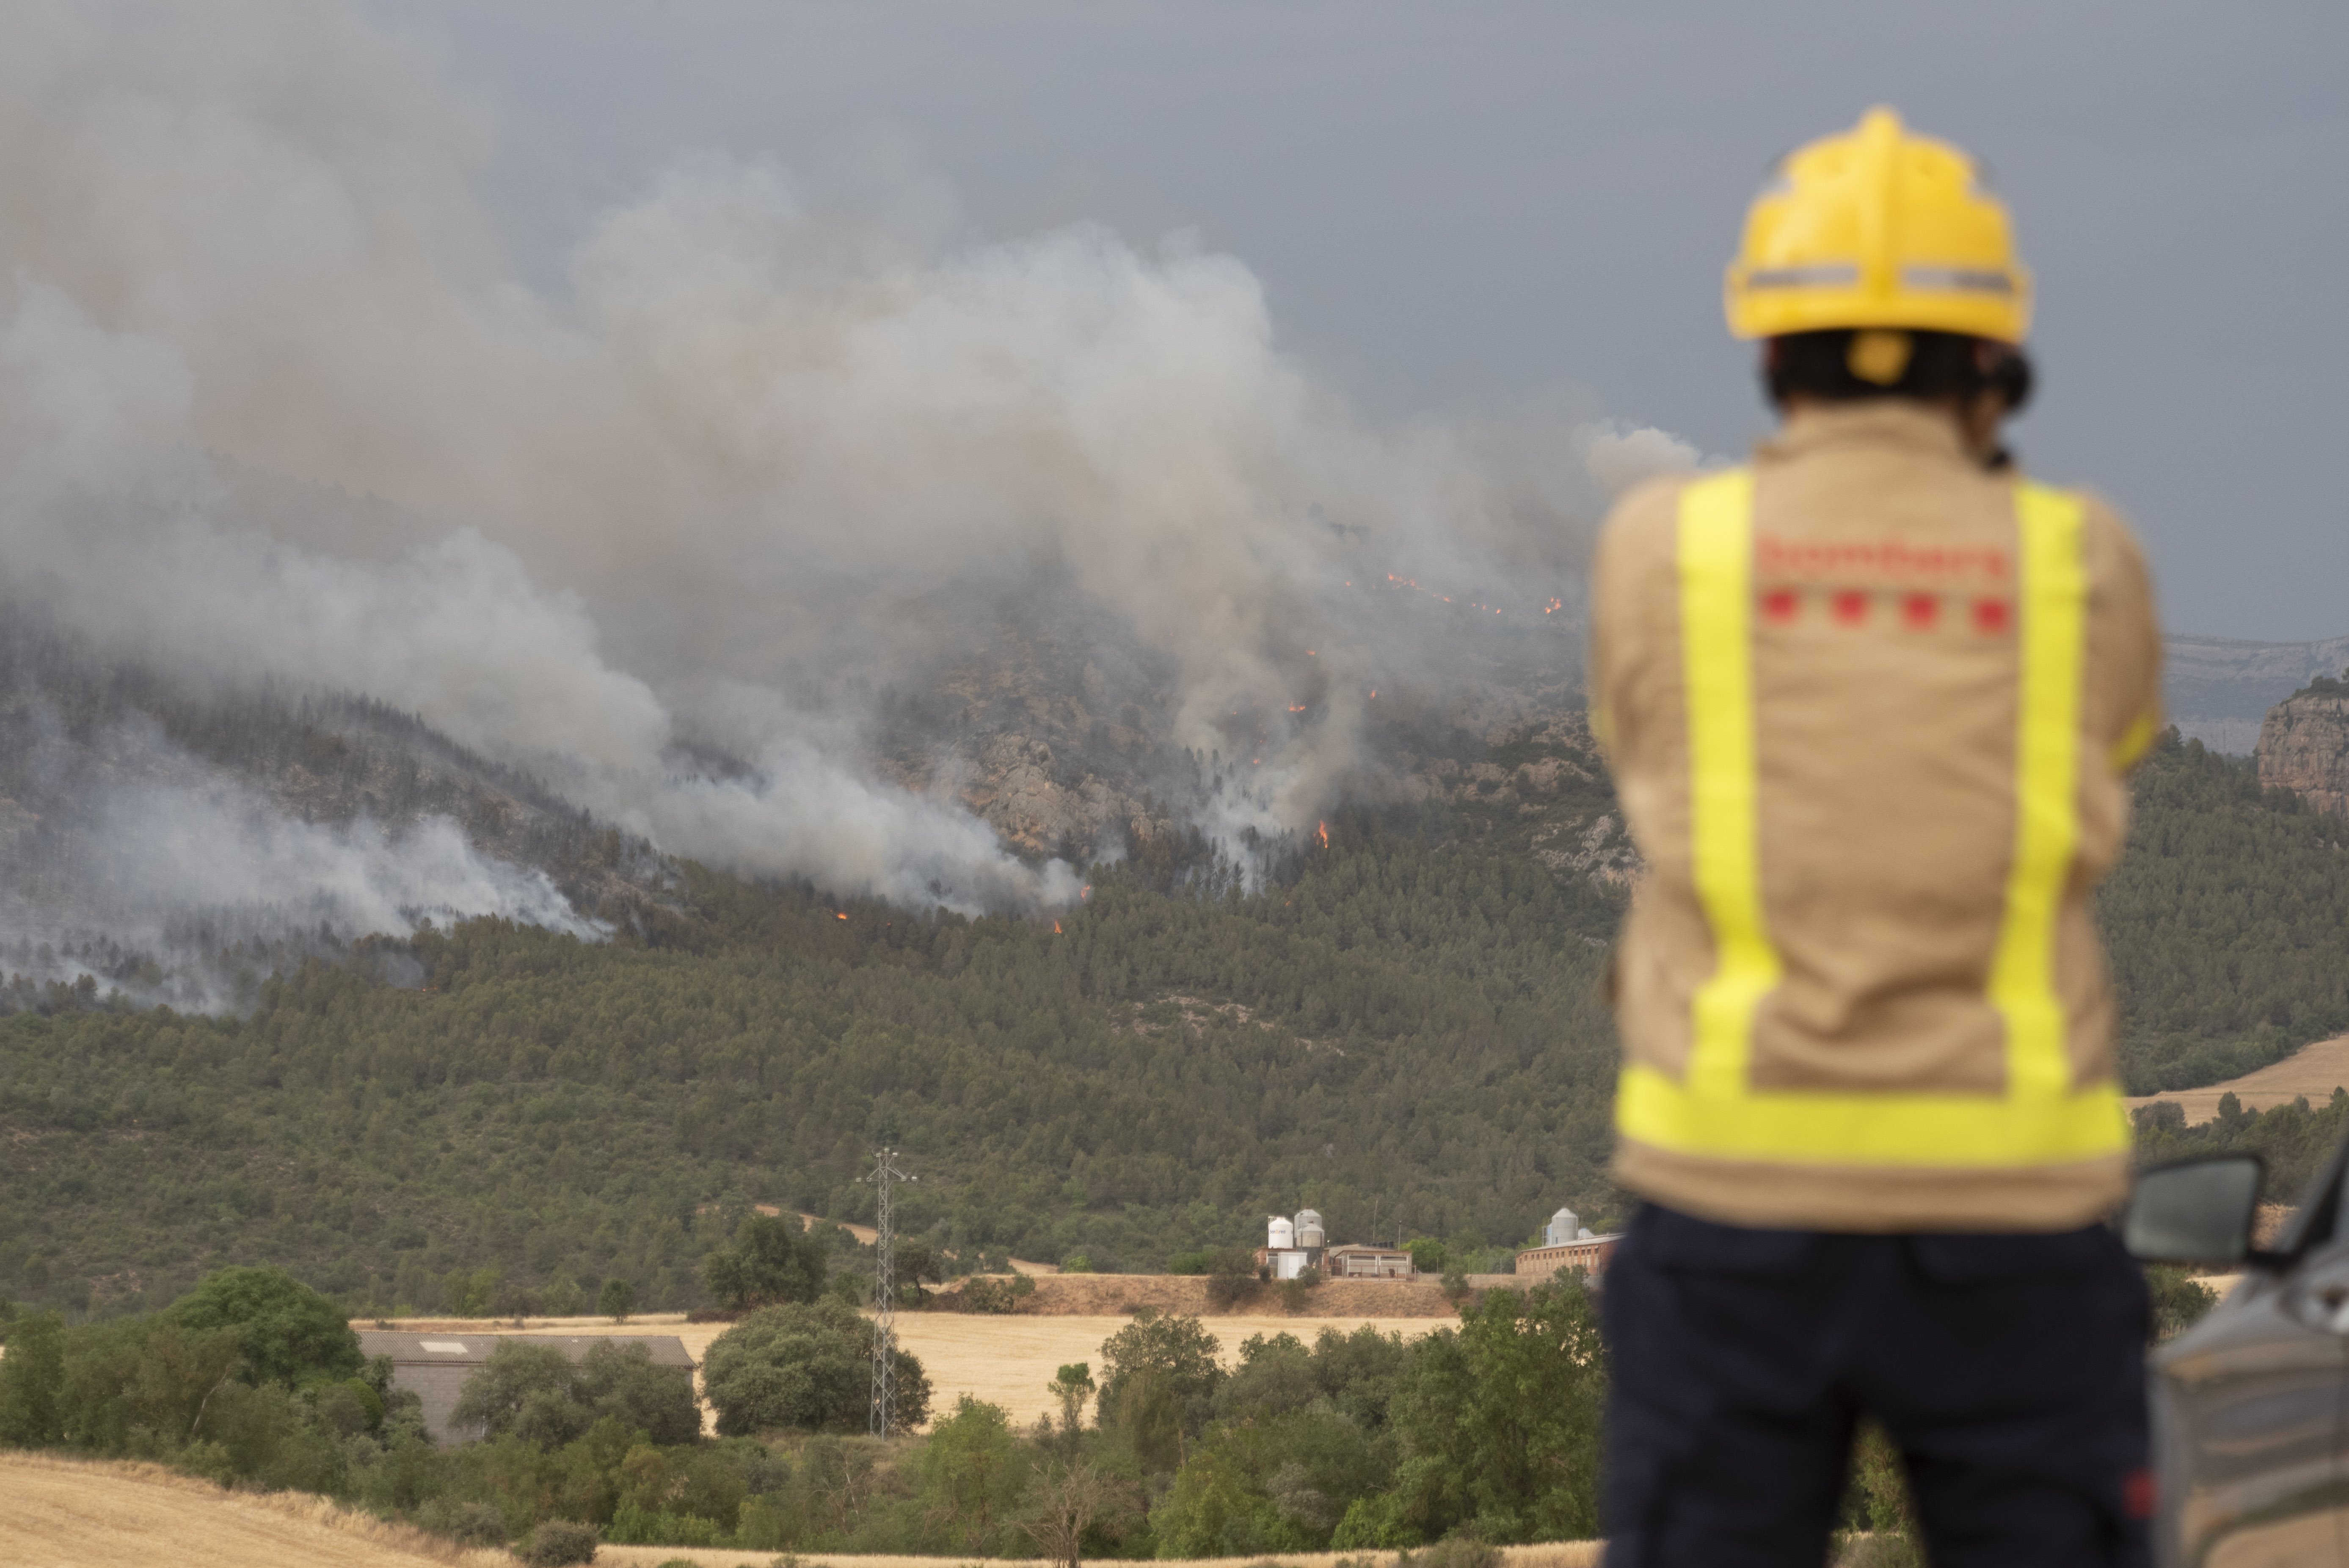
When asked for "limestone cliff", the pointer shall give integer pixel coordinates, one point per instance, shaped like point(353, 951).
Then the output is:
point(2304, 745)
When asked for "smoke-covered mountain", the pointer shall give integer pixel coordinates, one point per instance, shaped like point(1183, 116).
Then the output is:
point(810, 531)
point(2218, 689)
point(175, 843)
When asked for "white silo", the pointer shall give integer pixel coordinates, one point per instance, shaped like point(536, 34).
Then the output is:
point(1309, 1229)
point(1279, 1235)
point(1564, 1226)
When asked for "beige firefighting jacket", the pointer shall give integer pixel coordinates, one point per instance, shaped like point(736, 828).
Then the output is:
point(1868, 706)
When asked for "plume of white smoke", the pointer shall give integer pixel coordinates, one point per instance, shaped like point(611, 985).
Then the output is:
point(160, 848)
point(169, 859)
point(240, 238)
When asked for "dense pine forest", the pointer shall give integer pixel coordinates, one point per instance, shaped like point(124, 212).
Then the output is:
point(2226, 921)
point(1409, 1034)
point(1403, 1030)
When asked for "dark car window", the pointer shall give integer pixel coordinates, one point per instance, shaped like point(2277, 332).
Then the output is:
point(2318, 1223)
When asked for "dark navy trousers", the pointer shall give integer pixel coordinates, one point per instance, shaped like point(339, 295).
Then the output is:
point(2009, 1369)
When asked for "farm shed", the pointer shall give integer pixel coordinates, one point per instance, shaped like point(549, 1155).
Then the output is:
point(1586, 1254)
point(1366, 1262)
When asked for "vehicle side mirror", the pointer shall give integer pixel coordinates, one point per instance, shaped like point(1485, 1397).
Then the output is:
point(2194, 1210)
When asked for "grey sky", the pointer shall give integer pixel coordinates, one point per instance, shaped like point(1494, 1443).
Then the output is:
point(1472, 202)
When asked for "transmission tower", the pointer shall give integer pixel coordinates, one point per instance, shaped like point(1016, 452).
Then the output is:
point(884, 1298)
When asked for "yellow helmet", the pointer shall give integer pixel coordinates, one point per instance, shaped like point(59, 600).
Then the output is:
point(1877, 228)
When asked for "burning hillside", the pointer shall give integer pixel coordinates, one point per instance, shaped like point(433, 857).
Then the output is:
point(811, 532)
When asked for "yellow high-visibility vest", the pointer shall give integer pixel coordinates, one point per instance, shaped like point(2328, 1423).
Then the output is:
point(1713, 1109)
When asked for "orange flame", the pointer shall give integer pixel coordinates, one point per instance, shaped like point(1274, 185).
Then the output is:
point(844, 917)
point(1325, 835)
point(1086, 890)
point(1056, 928)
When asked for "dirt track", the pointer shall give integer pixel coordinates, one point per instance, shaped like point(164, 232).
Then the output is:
point(68, 1514)
point(2313, 1070)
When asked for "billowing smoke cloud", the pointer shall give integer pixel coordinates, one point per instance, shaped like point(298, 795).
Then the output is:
point(272, 405)
point(161, 861)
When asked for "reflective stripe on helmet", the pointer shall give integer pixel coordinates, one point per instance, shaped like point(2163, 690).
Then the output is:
point(1713, 1110)
point(1974, 279)
point(1822, 276)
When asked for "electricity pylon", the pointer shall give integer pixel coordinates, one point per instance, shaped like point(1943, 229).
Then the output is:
point(884, 1298)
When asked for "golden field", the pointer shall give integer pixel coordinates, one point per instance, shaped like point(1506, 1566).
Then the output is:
point(1005, 1360)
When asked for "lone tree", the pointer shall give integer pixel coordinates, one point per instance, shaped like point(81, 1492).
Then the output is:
point(807, 1365)
point(1067, 1501)
point(1159, 1387)
point(287, 1332)
point(617, 1300)
point(773, 1260)
point(1072, 1387)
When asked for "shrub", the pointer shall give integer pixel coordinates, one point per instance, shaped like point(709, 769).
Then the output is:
point(543, 1396)
point(466, 1523)
point(2180, 1301)
point(1232, 1279)
point(1453, 1552)
point(1197, 1263)
point(558, 1544)
point(982, 1294)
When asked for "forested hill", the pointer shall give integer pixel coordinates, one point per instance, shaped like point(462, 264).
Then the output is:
point(1410, 1033)
point(2226, 921)
point(1406, 1029)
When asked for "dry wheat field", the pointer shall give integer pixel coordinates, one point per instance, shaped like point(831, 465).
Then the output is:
point(1004, 1360)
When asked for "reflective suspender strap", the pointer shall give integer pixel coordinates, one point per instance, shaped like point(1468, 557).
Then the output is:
point(1716, 569)
point(1714, 1110)
point(2053, 627)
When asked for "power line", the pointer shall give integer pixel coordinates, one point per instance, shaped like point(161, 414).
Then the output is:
point(884, 1297)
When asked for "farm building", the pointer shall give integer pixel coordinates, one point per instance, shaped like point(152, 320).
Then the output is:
point(1366, 1262)
point(435, 1368)
point(1568, 1246)
point(1292, 1246)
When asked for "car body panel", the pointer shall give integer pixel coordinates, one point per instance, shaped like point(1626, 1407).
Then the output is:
point(2249, 1408)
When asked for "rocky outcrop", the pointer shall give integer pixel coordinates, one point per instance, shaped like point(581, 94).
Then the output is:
point(2304, 745)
